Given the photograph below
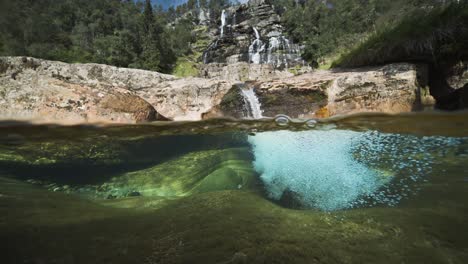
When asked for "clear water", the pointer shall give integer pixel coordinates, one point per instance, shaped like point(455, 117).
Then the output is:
point(354, 189)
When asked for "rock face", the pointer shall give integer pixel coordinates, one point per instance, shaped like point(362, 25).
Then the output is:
point(51, 91)
point(242, 71)
point(458, 75)
point(48, 91)
point(392, 88)
point(252, 33)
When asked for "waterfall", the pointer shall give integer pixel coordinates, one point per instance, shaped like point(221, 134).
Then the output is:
point(257, 35)
point(214, 44)
point(274, 45)
point(256, 48)
point(252, 103)
point(223, 22)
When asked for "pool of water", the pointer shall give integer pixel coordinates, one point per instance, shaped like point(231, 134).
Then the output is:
point(367, 188)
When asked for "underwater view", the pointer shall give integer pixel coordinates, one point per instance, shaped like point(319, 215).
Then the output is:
point(233, 131)
point(369, 188)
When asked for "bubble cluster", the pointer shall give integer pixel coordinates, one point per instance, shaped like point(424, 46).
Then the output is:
point(338, 169)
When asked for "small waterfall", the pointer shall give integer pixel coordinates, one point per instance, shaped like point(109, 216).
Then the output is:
point(223, 22)
point(274, 45)
point(251, 101)
point(256, 48)
point(214, 44)
point(257, 35)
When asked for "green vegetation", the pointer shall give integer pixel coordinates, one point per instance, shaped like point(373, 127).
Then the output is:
point(136, 34)
point(121, 33)
point(331, 28)
point(187, 63)
point(229, 226)
point(186, 67)
point(438, 35)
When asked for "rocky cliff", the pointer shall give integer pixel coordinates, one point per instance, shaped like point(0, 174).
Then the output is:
point(252, 33)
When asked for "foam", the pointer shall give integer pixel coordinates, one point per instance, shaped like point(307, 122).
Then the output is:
point(333, 170)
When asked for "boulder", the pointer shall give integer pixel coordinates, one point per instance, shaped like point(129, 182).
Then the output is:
point(50, 91)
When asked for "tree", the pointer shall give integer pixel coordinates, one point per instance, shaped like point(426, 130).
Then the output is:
point(191, 4)
point(148, 17)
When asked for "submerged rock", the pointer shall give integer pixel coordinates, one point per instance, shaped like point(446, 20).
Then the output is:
point(196, 172)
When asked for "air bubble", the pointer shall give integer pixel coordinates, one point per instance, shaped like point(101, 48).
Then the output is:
point(282, 120)
point(311, 123)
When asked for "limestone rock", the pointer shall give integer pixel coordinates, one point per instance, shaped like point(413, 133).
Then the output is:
point(185, 99)
point(50, 91)
point(242, 71)
point(392, 88)
point(71, 93)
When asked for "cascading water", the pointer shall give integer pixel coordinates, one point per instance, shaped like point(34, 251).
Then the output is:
point(267, 44)
point(223, 23)
point(214, 44)
point(252, 103)
point(256, 48)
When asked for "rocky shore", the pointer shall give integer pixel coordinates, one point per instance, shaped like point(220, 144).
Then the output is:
point(50, 91)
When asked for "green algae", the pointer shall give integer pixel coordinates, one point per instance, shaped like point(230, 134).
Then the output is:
point(213, 227)
point(96, 157)
point(203, 203)
point(195, 172)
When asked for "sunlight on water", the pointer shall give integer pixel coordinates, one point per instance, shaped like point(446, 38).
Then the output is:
point(332, 170)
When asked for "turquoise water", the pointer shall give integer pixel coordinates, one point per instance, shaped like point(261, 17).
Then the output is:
point(355, 189)
point(338, 169)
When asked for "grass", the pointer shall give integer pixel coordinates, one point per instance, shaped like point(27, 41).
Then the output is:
point(186, 67)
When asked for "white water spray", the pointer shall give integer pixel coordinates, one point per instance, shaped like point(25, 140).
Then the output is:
point(252, 102)
point(256, 48)
point(223, 22)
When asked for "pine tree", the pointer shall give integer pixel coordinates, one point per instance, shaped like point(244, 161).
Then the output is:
point(150, 57)
point(148, 17)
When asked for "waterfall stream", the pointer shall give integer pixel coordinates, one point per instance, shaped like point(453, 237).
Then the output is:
point(223, 23)
point(252, 103)
point(256, 48)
